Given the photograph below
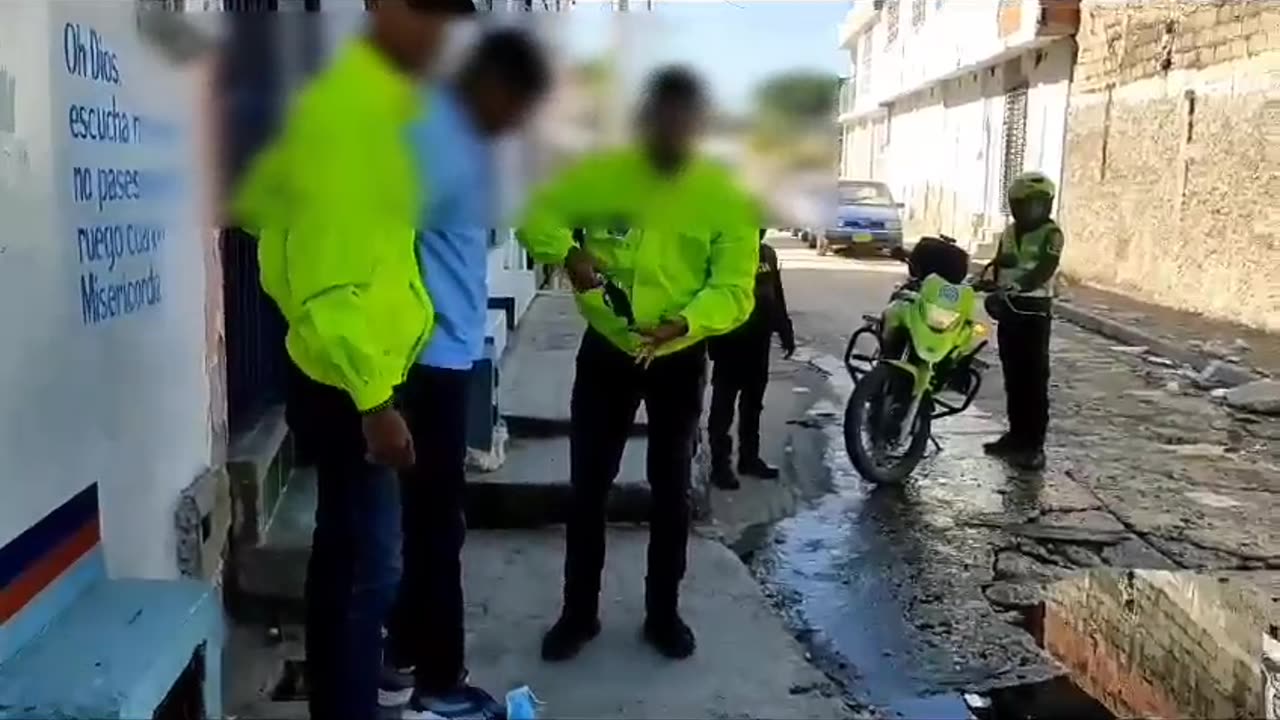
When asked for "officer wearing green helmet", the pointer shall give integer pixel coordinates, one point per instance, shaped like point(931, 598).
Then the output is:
point(1030, 250)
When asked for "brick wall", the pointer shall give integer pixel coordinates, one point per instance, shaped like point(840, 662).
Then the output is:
point(1153, 644)
point(1173, 155)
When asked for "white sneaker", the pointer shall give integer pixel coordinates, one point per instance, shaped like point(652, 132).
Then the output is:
point(465, 703)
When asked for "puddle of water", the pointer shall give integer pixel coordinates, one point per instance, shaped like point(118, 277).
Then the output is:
point(844, 570)
point(1057, 699)
point(847, 610)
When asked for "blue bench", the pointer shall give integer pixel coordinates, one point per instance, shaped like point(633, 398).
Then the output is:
point(116, 652)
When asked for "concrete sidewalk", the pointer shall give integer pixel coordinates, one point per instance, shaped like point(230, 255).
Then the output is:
point(1185, 337)
point(747, 665)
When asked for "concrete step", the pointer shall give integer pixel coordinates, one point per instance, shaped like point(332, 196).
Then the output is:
point(536, 375)
point(530, 490)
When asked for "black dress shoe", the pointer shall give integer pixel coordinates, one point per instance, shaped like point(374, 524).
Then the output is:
point(756, 467)
point(671, 637)
point(568, 636)
point(1004, 446)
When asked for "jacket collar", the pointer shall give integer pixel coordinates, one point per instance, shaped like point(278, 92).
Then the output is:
point(379, 76)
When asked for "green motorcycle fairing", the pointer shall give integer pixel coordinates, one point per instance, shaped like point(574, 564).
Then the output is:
point(939, 320)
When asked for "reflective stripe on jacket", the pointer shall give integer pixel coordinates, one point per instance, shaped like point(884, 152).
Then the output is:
point(1022, 260)
point(682, 246)
point(334, 202)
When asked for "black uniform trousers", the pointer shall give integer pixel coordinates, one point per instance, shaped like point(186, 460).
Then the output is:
point(425, 629)
point(607, 391)
point(740, 375)
point(1023, 338)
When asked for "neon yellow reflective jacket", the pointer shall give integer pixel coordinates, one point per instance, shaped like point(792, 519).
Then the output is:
point(1028, 262)
point(683, 246)
point(334, 202)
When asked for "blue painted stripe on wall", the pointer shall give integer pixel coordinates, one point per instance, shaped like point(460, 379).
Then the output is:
point(40, 539)
point(51, 602)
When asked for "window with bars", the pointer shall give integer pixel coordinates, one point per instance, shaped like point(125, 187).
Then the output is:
point(891, 19)
point(917, 12)
point(1015, 139)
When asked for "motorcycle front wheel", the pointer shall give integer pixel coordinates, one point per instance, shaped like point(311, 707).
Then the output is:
point(872, 426)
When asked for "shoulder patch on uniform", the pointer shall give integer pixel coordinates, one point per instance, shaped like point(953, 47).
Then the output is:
point(1056, 242)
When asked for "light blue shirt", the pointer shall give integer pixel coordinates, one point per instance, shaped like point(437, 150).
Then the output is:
point(455, 161)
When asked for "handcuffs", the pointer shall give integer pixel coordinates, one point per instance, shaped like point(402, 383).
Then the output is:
point(615, 298)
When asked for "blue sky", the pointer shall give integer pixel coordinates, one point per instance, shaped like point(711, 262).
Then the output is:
point(734, 44)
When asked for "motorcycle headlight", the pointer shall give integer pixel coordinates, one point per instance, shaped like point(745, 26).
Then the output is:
point(940, 318)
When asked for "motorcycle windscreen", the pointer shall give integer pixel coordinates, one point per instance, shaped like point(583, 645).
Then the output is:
point(942, 312)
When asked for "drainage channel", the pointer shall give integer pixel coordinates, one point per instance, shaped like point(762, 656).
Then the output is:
point(865, 662)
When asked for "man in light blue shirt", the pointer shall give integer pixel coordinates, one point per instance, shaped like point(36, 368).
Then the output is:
point(504, 77)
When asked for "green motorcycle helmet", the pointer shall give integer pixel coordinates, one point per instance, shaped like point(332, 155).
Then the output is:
point(1031, 200)
point(1031, 185)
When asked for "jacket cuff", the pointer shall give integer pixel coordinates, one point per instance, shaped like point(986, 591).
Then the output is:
point(372, 398)
point(696, 329)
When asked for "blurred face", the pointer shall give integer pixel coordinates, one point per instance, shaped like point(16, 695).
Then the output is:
point(671, 128)
point(500, 108)
point(412, 38)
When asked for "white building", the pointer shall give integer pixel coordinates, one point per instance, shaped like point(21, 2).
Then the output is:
point(947, 100)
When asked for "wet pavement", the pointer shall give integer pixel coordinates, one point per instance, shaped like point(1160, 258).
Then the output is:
point(927, 600)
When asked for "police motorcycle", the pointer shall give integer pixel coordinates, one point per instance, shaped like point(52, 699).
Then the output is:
point(915, 363)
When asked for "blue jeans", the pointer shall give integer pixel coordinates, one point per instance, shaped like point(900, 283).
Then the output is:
point(355, 553)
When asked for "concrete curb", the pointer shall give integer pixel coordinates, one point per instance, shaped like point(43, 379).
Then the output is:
point(1130, 335)
point(503, 505)
point(527, 426)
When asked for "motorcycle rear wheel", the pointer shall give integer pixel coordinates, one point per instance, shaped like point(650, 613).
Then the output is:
point(878, 385)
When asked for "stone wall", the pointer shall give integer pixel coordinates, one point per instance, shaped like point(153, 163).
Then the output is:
point(1172, 166)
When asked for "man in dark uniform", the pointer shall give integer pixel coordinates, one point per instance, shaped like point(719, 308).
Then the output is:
point(741, 373)
point(1030, 249)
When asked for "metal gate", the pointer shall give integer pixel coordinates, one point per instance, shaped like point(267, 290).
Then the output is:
point(1015, 139)
point(253, 93)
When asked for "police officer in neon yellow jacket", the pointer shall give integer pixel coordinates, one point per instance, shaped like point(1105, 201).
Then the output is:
point(334, 202)
point(1030, 249)
point(667, 258)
